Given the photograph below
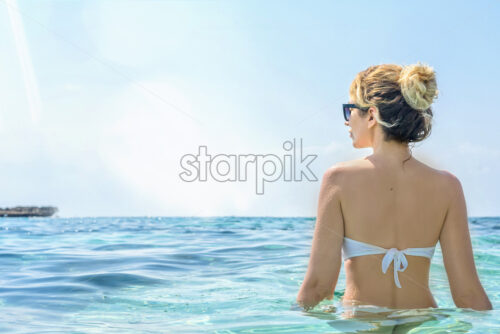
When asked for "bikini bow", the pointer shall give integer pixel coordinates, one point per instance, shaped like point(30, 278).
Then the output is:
point(399, 259)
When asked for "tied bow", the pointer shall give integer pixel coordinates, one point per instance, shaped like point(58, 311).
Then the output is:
point(399, 259)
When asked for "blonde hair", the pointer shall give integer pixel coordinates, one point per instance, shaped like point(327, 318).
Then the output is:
point(403, 96)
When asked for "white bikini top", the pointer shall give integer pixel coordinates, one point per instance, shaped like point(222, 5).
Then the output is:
point(353, 248)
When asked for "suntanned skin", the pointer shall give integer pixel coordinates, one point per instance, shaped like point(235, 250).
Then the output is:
point(388, 207)
point(382, 201)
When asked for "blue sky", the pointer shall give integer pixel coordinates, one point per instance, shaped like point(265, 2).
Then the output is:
point(100, 99)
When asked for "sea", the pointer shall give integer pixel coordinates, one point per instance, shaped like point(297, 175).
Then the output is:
point(202, 275)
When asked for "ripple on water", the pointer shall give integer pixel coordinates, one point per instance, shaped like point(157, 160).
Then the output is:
point(194, 275)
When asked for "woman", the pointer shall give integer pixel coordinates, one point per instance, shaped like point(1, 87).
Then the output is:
point(385, 213)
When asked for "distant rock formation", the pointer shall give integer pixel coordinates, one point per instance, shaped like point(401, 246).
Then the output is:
point(28, 211)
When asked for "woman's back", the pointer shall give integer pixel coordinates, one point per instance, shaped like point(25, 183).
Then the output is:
point(391, 207)
point(390, 204)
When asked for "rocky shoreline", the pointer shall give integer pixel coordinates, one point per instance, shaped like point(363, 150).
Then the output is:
point(28, 211)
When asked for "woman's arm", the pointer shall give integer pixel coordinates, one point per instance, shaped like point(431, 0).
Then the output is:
point(466, 289)
point(325, 259)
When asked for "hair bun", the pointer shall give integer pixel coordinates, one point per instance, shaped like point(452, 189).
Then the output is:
point(418, 85)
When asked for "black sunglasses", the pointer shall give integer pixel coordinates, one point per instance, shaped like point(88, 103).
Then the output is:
point(346, 109)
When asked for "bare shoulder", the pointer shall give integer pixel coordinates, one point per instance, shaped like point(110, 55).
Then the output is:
point(441, 178)
point(339, 172)
point(450, 178)
point(450, 182)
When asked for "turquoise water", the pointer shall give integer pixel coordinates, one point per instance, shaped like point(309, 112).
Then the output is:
point(195, 275)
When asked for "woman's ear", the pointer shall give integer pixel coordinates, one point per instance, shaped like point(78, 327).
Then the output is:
point(371, 110)
point(371, 114)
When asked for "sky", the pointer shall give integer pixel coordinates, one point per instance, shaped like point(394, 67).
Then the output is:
point(100, 100)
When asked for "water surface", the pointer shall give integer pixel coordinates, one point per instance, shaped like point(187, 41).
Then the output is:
point(193, 275)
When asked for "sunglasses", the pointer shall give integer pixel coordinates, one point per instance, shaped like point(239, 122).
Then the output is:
point(346, 109)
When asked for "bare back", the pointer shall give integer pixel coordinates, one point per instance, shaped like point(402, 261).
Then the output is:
point(392, 207)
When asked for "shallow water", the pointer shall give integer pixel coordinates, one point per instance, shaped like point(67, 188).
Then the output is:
point(192, 275)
